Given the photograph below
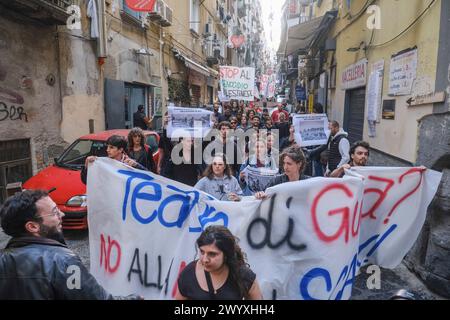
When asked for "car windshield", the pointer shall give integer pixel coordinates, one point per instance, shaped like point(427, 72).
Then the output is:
point(75, 156)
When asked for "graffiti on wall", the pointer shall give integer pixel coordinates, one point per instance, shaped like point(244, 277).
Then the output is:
point(9, 109)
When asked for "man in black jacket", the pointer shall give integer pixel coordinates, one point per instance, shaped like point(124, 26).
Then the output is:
point(140, 120)
point(36, 263)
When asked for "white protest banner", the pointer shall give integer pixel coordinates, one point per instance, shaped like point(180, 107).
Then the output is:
point(263, 85)
point(256, 92)
point(310, 129)
point(189, 122)
point(267, 85)
point(307, 241)
point(238, 83)
point(222, 97)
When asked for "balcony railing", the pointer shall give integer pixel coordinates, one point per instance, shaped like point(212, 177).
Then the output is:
point(44, 11)
point(60, 4)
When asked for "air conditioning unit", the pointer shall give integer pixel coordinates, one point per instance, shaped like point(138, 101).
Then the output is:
point(166, 20)
point(158, 11)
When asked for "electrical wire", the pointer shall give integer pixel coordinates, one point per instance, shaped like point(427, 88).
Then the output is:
point(364, 8)
point(407, 28)
point(360, 13)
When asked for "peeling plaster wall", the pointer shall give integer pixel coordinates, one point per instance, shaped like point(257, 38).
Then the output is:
point(81, 87)
point(30, 106)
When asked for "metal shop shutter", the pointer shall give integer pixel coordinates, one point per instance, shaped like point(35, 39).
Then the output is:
point(354, 114)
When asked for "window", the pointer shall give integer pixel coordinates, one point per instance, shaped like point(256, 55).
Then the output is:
point(194, 16)
point(130, 12)
point(15, 165)
point(76, 154)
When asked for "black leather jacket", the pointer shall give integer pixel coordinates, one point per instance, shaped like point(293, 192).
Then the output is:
point(37, 268)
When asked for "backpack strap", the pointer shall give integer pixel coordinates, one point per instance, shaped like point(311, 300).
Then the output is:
point(212, 295)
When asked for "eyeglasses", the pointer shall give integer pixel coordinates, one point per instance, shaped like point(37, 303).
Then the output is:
point(55, 212)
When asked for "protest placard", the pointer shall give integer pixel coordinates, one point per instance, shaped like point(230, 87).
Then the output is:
point(237, 83)
point(258, 179)
point(310, 129)
point(189, 122)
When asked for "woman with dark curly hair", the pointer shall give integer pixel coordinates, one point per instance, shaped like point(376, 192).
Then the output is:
point(221, 272)
point(139, 151)
point(294, 162)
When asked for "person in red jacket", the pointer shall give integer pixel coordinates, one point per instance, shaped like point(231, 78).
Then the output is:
point(276, 113)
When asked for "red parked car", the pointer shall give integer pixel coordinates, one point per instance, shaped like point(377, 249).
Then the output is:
point(63, 180)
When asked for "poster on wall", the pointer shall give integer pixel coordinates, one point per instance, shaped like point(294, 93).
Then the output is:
point(402, 72)
point(374, 93)
point(389, 109)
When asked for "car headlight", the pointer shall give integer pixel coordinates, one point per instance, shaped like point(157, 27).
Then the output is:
point(77, 201)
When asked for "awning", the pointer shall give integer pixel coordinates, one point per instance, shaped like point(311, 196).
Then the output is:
point(301, 37)
point(214, 73)
point(191, 64)
point(196, 66)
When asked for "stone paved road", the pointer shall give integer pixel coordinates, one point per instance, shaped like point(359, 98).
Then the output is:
point(391, 280)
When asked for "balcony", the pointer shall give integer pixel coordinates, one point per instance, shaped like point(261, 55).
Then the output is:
point(48, 12)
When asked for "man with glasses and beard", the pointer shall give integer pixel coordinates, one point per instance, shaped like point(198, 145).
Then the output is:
point(36, 263)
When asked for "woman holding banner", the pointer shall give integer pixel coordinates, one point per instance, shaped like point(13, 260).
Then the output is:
point(218, 181)
point(221, 273)
point(294, 162)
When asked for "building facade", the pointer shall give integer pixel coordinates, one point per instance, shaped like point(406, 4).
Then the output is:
point(95, 61)
point(382, 71)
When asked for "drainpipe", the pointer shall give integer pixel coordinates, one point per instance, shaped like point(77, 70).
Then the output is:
point(161, 70)
point(101, 42)
point(58, 57)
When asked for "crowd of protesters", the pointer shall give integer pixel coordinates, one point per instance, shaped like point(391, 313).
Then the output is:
point(246, 136)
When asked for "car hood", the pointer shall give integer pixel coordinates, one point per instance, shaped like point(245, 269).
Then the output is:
point(67, 183)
